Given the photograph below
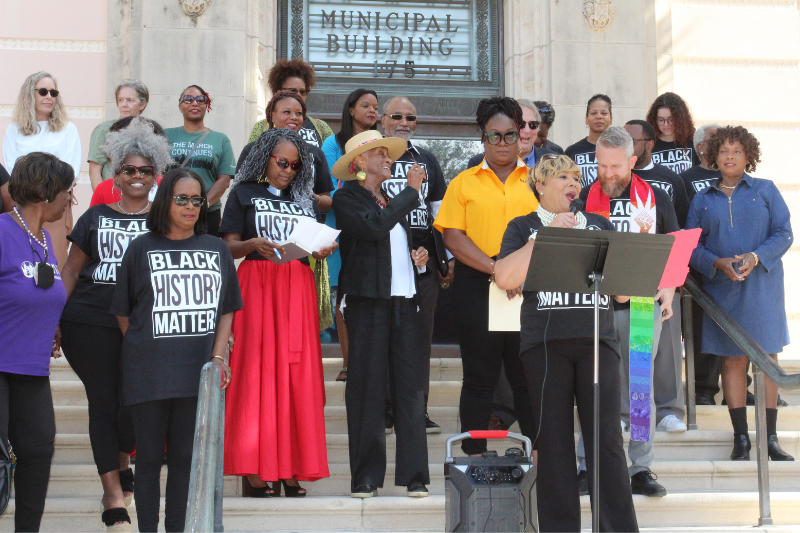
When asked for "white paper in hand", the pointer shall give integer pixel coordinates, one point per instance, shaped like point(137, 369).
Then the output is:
point(308, 236)
point(503, 313)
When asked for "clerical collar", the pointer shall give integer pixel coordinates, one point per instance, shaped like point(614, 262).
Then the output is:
point(273, 190)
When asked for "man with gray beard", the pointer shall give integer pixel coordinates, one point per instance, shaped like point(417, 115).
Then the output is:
point(399, 119)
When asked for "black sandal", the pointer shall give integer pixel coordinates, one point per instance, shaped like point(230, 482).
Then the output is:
point(249, 491)
point(342, 375)
point(126, 483)
point(116, 520)
point(293, 492)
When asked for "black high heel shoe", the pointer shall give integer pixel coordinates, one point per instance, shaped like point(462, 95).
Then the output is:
point(249, 491)
point(126, 480)
point(775, 451)
point(293, 492)
point(741, 448)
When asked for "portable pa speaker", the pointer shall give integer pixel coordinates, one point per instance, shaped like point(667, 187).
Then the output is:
point(490, 493)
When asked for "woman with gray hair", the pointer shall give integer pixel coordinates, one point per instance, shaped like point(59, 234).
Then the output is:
point(274, 415)
point(91, 338)
point(132, 97)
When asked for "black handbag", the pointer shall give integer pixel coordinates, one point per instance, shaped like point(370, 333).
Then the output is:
point(6, 467)
point(441, 252)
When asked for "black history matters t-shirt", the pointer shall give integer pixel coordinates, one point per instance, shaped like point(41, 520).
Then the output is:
point(675, 157)
point(174, 293)
point(310, 134)
point(253, 211)
point(698, 178)
point(103, 235)
point(570, 315)
point(432, 190)
point(671, 183)
point(583, 153)
point(322, 174)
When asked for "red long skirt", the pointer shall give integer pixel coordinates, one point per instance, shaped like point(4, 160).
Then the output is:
point(275, 404)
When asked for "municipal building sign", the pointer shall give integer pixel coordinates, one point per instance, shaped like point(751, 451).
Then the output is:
point(447, 55)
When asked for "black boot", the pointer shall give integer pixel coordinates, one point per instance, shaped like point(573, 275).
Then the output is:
point(741, 448)
point(775, 452)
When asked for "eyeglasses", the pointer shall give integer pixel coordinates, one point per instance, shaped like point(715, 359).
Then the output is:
point(398, 117)
point(662, 120)
point(197, 201)
point(43, 92)
point(301, 92)
point(494, 137)
point(188, 99)
point(284, 164)
point(131, 170)
point(532, 124)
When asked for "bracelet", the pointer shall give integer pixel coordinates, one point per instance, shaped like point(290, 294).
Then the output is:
point(218, 357)
point(756, 256)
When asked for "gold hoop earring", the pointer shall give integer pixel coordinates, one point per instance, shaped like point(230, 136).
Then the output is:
point(361, 175)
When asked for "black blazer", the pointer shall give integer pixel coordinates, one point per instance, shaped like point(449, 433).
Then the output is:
point(364, 242)
point(476, 159)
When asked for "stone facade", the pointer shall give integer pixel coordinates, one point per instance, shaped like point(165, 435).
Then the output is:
point(734, 61)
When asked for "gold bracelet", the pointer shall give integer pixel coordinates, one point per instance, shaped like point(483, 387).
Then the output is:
point(218, 357)
point(756, 256)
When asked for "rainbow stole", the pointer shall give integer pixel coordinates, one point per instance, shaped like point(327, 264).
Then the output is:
point(642, 220)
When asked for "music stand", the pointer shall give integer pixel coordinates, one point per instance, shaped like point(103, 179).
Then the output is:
point(597, 262)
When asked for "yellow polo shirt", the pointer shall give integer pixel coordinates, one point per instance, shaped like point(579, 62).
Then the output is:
point(478, 203)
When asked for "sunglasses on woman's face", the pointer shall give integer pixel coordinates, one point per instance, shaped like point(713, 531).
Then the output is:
point(43, 92)
point(197, 201)
point(284, 164)
point(131, 170)
point(188, 99)
point(301, 92)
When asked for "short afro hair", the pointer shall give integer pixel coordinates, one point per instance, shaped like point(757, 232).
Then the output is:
point(732, 134)
point(284, 69)
point(140, 139)
point(39, 177)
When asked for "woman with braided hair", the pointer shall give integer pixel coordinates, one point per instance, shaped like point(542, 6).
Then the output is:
point(274, 417)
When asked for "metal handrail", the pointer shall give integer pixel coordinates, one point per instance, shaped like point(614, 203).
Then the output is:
point(204, 505)
point(762, 364)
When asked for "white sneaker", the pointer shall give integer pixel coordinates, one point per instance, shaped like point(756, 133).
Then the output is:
point(622, 423)
point(671, 424)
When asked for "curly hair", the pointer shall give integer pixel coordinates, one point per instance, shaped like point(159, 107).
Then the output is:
point(140, 139)
point(284, 69)
point(732, 134)
point(499, 105)
point(25, 110)
point(682, 123)
point(254, 166)
point(277, 97)
point(549, 167)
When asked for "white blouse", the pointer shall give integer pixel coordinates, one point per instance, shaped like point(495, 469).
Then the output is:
point(402, 267)
point(65, 145)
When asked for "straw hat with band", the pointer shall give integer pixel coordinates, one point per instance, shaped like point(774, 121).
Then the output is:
point(345, 170)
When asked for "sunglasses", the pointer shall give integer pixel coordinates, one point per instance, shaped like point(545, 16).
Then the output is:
point(532, 124)
point(494, 137)
point(301, 92)
point(284, 164)
point(43, 92)
point(131, 170)
point(545, 110)
point(399, 117)
point(197, 201)
point(188, 99)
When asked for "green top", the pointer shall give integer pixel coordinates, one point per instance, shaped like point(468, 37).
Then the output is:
point(261, 126)
point(96, 153)
point(212, 158)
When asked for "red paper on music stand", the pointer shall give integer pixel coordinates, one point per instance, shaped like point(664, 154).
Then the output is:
point(678, 264)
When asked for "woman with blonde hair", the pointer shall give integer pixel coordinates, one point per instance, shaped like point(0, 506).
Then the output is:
point(40, 124)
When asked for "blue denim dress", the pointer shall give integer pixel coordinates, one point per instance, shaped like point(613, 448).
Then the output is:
point(754, 219)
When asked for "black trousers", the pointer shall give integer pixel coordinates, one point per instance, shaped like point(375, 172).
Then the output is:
point(707, 366)
point(382, 334)
point(154, 422)
point(482, 354)
point(214, 218)
point(94, 354)
point(28, 422)
point(558, 375)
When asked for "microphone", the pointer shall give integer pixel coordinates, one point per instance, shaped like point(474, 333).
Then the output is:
point(576, 205)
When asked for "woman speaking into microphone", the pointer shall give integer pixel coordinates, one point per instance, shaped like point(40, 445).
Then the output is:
point(557, 351)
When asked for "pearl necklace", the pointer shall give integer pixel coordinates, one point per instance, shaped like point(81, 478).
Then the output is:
point(547, 217)
point(131, 214)
point(31, 235)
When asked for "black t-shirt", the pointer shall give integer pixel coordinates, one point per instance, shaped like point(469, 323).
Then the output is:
point(698, 178)
point(4, 177)
point(310, 134)
point(253, 211)
point(173, 293)
point(421, 218)
point(553, 147)
point(583, 153)
point(322, 174)
point(574, 313)
point(674, 156)
point(671, 183)
point(104, 235)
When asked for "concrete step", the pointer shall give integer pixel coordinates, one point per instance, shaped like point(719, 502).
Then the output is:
point(709, 512)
